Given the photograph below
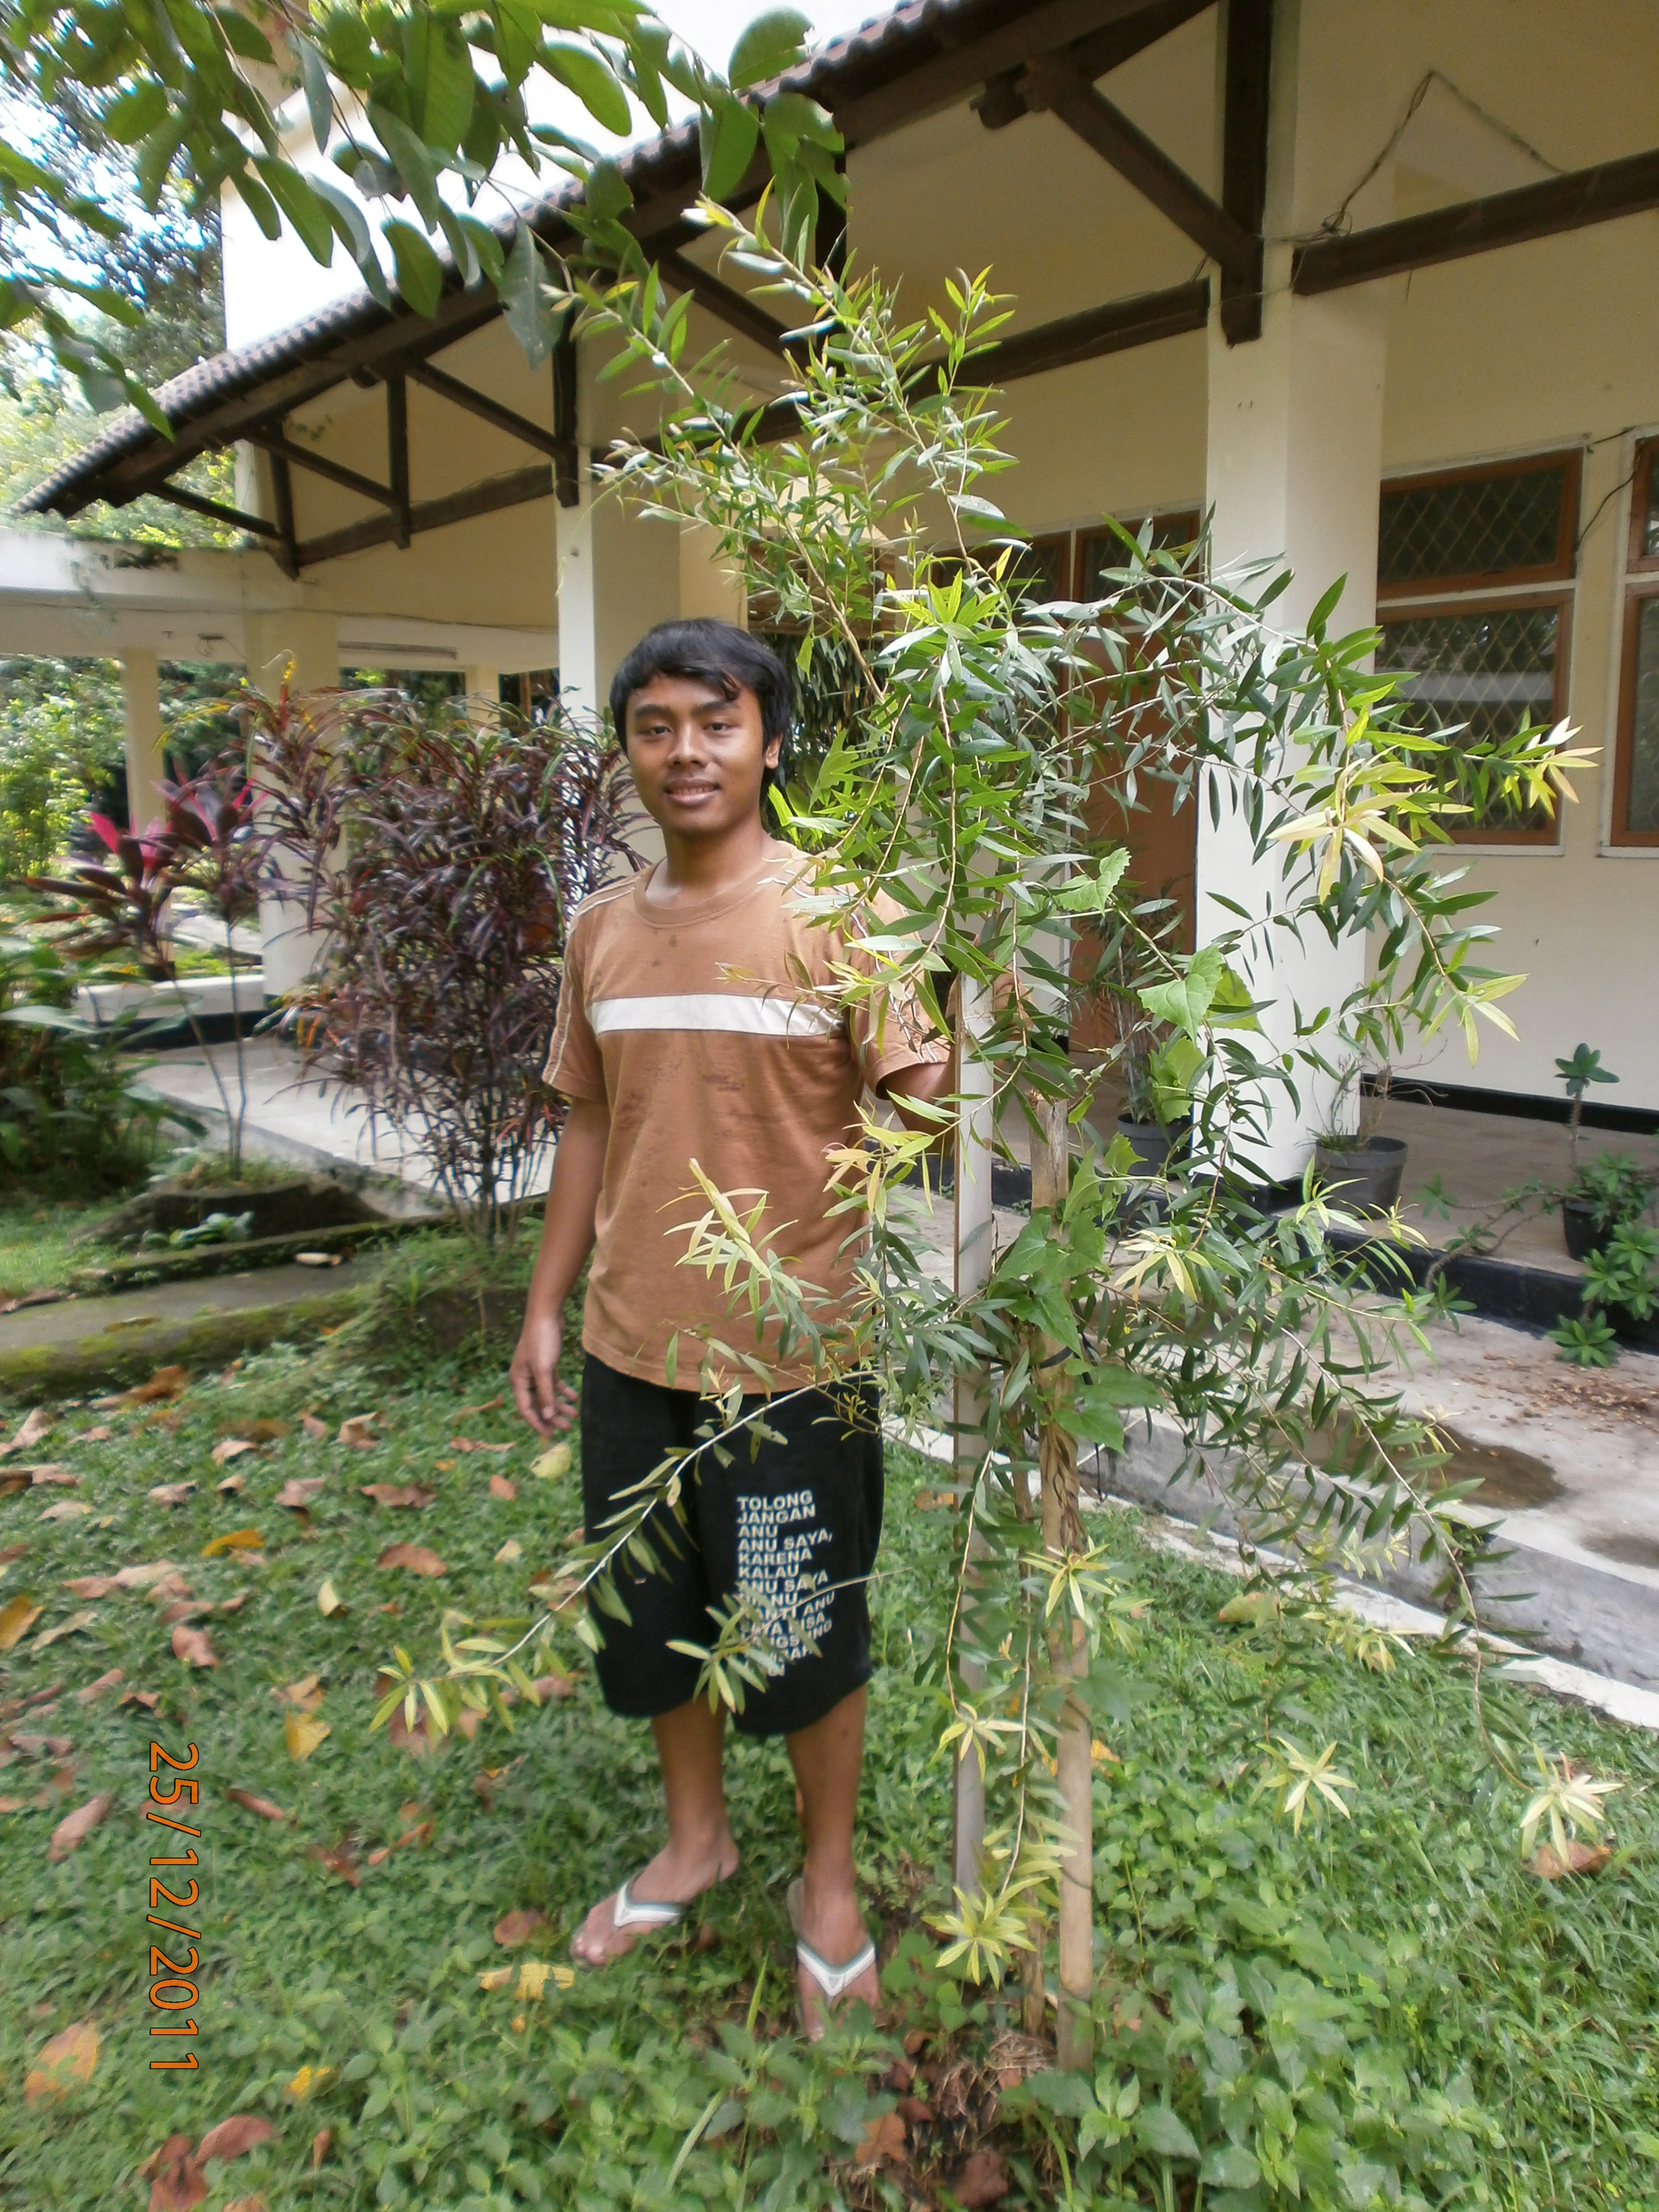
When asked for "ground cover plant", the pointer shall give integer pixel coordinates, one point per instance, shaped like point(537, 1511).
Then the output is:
point(382, 1983)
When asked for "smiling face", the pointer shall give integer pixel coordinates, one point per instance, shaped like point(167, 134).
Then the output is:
point(698, 759)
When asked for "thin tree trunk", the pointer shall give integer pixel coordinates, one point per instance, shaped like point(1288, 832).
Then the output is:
point(241, 1064)
point(1068, 1657)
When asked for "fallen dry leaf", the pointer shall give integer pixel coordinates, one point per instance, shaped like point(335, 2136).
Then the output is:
point(320, 1259)
point(251, 1803)
point(71, 2058)
point(91, 1585)
point(500, 1487)
point(551, 1463)
point(355, 1431)
point(14, 1804)
point(192, 1645)
point(35, 1426)
point(229, 1447)
point(231, 1485)
point(169, 1493)
point(471, 1444)
point(339, 1861)
point(98, 1436)
point(305, 1693)
point(10, 1552)
point(17, 1616)
point(65, 1512)
point(300, 1491)
point(489, 1405)
point(555, 1685)
point(78, 1827)
point(48, 1472)
point(883, 2138)
point(97, 1689)
point(141, 1578)
point(176, 2181)
point(165, 1383)
point(232, 2138)
point(257, 2202)
point(313, 1427)
point(319, 2143)
point(515, 1928)
point(513, 1549)
point(393, 1493)
point(444, 1466)
point(980, 2180)
point(303, 1735)
point(76, 1622)
point(147, 1698)
point(1582, 1859)
point(496, 1978)
point(329, 1600)
point(415, 1556)
point(233, 1540)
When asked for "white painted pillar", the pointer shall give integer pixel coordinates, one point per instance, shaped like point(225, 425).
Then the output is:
point(619, 575)
point(141, 712)
point(1294, 462)
point(303, 648)
point(483, 685)
point(710, 583)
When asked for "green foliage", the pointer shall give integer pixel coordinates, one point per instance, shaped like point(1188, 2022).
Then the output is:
point(1614, 1188)
point(71, 1105)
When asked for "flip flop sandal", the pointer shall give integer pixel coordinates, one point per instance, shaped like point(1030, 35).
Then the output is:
point(833, 1981)
point(648, 1912)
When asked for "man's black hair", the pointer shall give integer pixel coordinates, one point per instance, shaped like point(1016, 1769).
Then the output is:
point(727, 658)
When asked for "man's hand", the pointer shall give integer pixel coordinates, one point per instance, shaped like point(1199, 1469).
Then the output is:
point(546, 1402)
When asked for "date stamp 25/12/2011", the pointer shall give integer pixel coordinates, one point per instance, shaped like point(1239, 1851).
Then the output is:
point(172, 1990)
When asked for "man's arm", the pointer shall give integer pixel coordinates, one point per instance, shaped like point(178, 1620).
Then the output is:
point(923, 1082)
point(567, 1239)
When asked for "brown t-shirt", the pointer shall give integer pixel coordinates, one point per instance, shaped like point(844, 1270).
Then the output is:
point(715, 1034)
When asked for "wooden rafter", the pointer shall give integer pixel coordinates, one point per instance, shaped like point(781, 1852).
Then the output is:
point(1583, 197)
point(234, 518)
point(486, 409)
point(318, 464)
point(1137, 158)
point(1003, 102)
point(1246, 88)
point(567, 467)
point(282, 498)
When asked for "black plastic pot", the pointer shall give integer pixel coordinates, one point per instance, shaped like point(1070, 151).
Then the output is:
point(1580, 1228)
point(1362, 1178)
point(1151, 1142)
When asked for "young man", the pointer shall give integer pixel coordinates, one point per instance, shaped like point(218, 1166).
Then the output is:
point(698, 1021)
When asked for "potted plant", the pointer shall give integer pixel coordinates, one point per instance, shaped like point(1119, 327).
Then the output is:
point(1359, 1168)
point(1586, 1220)
point(1606, 1195)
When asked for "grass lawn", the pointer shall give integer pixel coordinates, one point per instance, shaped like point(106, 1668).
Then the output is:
point(1389, 2011)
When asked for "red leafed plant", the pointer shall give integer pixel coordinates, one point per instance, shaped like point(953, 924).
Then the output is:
point(441, 851)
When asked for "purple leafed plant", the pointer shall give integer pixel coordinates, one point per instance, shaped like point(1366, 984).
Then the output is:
point(442, 852)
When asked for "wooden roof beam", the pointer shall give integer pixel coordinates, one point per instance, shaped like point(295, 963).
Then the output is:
point(1003, 102)
point(512, 489)
point(318, 464)
point(486, 409)
point(733, 308)
point(1062, 88)
point(1246, 87)
point(215, 510)
point(1601, 194)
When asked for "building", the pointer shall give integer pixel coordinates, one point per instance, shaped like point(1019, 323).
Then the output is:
point(1372, 281)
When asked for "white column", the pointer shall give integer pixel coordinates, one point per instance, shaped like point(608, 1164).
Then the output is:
point(1294, 463)
point(302, 648)
point(141, 711)
point(619, 575)
point(482, 684)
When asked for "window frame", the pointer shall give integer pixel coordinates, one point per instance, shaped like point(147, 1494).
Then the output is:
point(1549, 837)
point(1639, 563)
point(1641, 588)
point(1560, 570)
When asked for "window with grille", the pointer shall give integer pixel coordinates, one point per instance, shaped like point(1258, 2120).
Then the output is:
point(1476, 621)
point(1635, 755)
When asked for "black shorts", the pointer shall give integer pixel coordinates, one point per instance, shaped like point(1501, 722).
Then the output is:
point(792, 1527)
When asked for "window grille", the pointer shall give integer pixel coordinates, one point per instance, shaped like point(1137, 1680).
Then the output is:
point(1636, 751)
point(1488, 670)
point(1464, 527)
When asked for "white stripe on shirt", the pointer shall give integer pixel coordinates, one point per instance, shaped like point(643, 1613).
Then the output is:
point(726, 1010)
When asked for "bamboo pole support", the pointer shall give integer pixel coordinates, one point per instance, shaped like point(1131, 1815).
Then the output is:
point(1068, 1657)
point(973, 1241)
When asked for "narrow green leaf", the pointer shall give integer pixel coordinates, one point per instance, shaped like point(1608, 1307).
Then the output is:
point(302, 207)
point(594, 83)
point(420, 272)
point(727, 134)
point(524, 304)
point(135, 112)
point(320, 97)
point(772, 43)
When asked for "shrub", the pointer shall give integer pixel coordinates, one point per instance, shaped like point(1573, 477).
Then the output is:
point(442, 852)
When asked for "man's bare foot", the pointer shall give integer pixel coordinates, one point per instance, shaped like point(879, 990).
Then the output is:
point(828, 1921)
point(676, 1876)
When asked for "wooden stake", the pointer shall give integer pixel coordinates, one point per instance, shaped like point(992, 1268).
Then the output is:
point(974, 1240)
point(1068, 1657)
